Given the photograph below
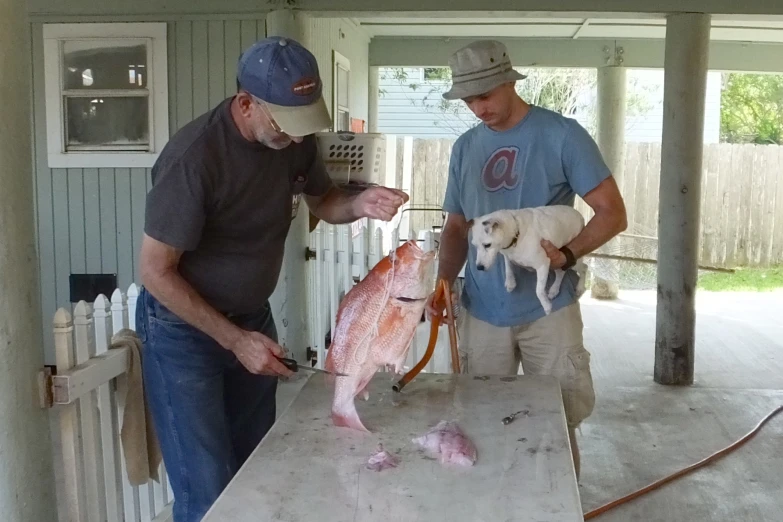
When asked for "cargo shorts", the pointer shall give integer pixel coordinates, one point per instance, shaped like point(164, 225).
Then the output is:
point(552, 345)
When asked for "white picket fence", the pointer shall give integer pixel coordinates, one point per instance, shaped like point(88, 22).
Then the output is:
point(96, 486)
point(343, 258)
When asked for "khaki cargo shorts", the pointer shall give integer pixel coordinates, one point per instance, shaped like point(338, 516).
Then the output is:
point(552, 345)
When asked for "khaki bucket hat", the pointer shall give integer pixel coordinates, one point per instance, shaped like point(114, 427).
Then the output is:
point(478, 68)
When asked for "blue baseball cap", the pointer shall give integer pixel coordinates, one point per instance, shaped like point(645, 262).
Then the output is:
point(281, 72)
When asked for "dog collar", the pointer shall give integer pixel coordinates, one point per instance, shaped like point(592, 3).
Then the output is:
point(513, 242)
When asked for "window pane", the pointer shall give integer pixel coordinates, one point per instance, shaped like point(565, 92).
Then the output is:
point(342, 87)
point(104, 65)
point(107, 121)
point(343, 121)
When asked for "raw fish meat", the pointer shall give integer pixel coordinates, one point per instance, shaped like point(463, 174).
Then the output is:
point(382, 459)
point(449, 444)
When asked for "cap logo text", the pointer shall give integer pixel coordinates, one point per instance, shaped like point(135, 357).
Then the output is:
point(305, 86)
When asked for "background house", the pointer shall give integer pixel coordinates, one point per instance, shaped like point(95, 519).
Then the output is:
point(410, 105)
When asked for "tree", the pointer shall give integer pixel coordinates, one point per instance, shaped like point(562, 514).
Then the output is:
point(752, 108)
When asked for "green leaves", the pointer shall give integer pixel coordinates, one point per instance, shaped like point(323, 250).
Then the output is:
point(752, 108)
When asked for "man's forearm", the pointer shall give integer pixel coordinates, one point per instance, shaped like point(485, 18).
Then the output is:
point(336, 207)
point(176, 294)
point(602, 227)
point(452, 255)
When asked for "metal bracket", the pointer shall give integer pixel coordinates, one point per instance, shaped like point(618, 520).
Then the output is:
point(614, 56)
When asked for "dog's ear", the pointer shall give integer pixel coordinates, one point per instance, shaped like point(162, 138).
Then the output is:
point(490, 225)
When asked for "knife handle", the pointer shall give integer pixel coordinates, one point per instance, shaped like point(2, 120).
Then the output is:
point(289, 363)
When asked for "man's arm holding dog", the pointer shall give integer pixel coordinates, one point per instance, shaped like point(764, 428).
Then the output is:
point(609, 220)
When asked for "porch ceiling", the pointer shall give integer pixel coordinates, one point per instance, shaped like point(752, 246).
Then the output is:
point(462, 25)
point(741, 43)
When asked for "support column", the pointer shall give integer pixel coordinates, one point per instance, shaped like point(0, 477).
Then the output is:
point(289, 300)
point(611, 140)
point(685, 85)
point(374, 92)
point(27, 489)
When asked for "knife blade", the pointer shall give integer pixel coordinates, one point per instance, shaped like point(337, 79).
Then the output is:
point(294, 366)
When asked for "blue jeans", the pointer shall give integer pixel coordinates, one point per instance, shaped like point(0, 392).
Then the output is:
point(209, 412)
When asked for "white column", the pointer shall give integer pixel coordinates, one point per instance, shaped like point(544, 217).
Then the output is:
point(289, 300)
point(27, 490)
point(611, 141)
point(685, 85)
point(374, 89)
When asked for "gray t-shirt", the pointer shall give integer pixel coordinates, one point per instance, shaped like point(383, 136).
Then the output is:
point(228, 203)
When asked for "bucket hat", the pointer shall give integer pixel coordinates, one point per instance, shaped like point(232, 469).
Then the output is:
point(478, 68)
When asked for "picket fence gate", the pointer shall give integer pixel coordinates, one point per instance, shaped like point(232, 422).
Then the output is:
point(92, 379)
point(92, 375)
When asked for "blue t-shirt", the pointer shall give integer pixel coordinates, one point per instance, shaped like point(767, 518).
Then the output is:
point(545, 159)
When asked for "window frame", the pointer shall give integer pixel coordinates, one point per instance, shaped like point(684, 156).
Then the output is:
point(157, 84)
point(340, 62)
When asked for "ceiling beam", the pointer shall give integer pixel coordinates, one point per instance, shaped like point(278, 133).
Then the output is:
point(565, 52)
point(357, 7)
point(581, 28)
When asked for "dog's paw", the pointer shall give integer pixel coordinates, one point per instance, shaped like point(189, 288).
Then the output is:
point(553, 292)
point(510, 285)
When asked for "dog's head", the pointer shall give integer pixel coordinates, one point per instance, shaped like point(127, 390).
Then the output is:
point(488, 236)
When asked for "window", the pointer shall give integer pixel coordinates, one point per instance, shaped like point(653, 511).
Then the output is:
point(106, 94)
point(340, 96)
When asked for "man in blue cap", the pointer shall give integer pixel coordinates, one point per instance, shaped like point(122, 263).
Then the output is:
point(225, 190)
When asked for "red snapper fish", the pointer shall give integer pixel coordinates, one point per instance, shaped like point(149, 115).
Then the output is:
point(375, 324)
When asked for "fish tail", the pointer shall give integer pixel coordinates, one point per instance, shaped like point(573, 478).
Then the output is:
point(344, 409)
point(348, 417)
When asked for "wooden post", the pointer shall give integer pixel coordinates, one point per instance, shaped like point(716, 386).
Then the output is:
point(685, 85)
point(27, 485)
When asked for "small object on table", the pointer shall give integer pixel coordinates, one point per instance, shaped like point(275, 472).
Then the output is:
point(510, 418)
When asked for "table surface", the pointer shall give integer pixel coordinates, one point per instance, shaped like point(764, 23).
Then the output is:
point(306, 469)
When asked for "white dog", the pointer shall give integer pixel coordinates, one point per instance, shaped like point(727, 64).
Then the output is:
point(517, 235)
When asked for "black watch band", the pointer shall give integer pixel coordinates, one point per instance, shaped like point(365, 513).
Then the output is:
point(570, 259)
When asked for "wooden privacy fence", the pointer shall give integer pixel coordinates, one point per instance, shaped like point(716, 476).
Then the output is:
point(89, 391)
point(741, 194)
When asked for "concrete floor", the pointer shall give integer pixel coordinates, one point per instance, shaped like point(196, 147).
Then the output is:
point(641, 431)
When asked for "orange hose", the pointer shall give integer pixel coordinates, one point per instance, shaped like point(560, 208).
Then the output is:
point(441, 293)
point(728, 449)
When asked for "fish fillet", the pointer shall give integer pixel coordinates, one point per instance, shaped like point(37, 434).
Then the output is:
point(449, 444)
point(375, 325)
point(382, 459)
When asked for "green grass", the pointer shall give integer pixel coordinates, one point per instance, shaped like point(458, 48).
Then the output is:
point(743, 280)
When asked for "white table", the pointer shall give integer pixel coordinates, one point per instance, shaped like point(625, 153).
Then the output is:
point(306, 469)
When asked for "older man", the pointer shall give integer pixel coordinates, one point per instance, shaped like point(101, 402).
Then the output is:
point(521, 155)
point(225, 190)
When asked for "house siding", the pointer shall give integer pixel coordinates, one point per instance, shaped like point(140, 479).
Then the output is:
point(322, 36)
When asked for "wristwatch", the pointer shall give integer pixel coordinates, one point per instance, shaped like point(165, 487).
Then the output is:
point(570, 259)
